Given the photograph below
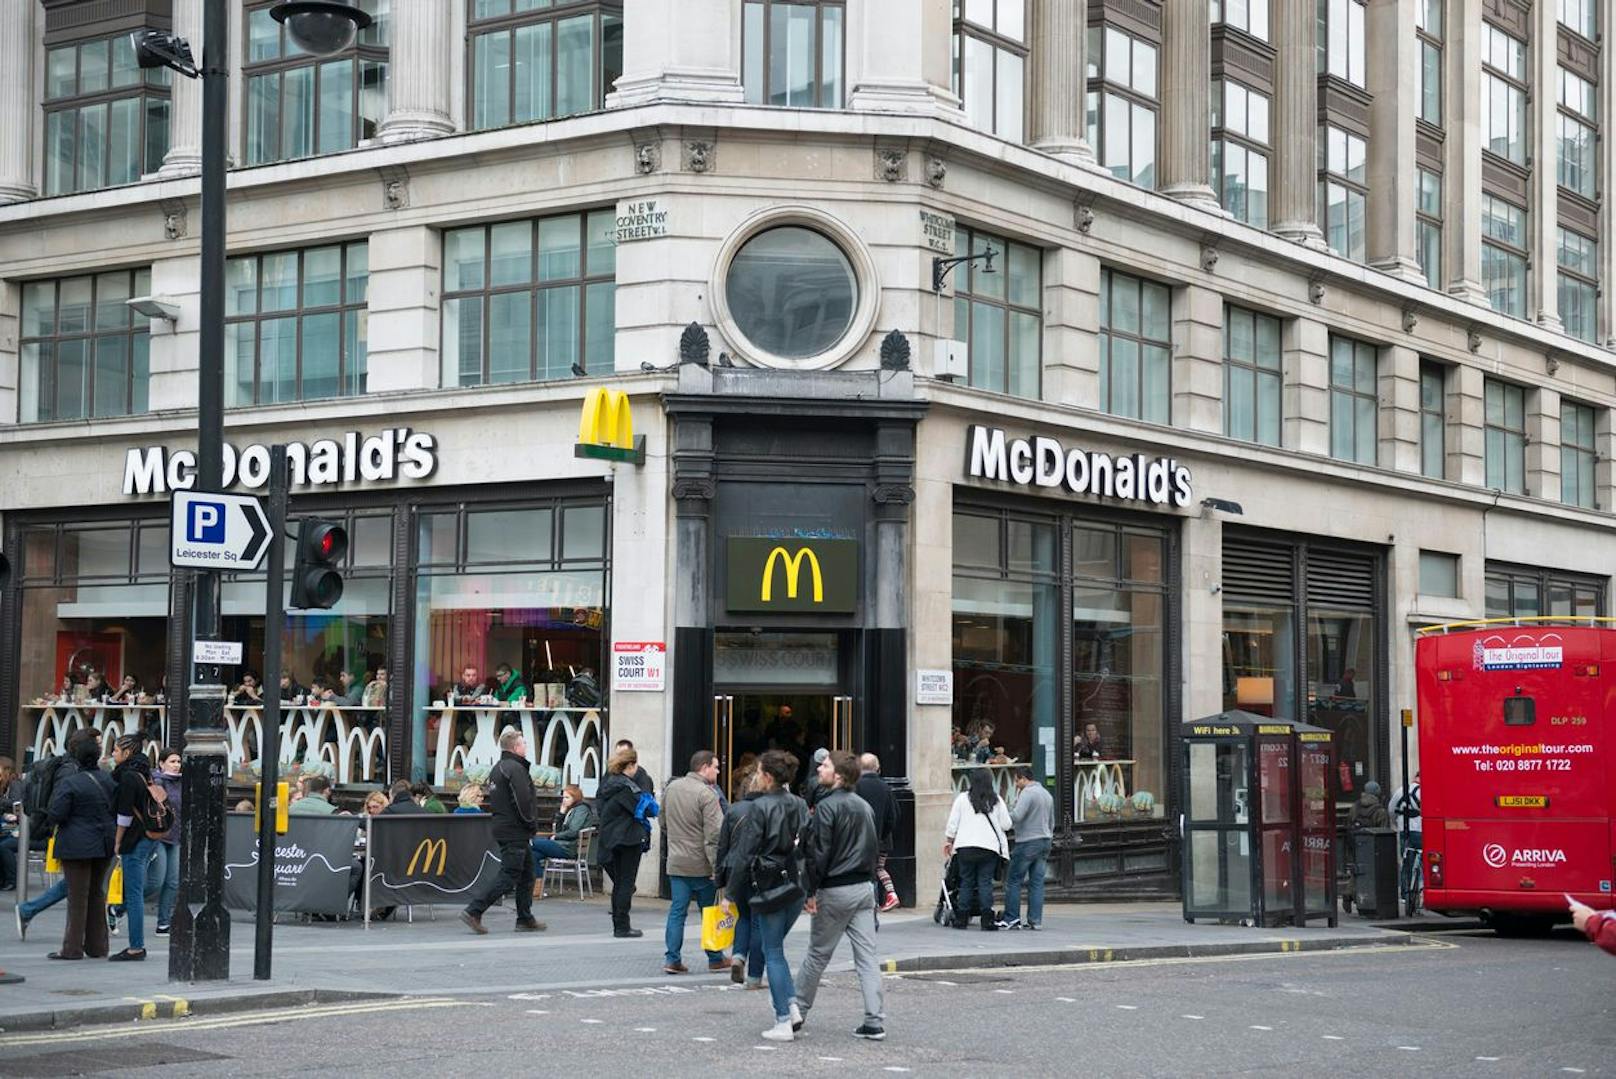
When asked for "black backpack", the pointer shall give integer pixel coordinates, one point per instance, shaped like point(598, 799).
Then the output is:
point(156, 815)
point(37, 791)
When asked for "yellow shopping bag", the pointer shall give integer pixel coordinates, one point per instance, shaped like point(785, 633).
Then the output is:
point(717, 929)
point(51, 864)
point(115, 884)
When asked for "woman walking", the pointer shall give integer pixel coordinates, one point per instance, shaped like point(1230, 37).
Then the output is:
point(747, 962)
point(623, 836)
point(765, 878)
point(132, 776)
point(976, 838)
point(81, 812)
point(163, 876)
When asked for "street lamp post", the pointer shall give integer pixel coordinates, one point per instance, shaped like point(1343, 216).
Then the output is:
point(199, 947)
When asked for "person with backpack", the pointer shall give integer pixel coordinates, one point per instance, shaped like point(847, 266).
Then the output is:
point(81, 810)
point(624, 833)
point(977, 824)
point(163, 879)
point(38, 788)
point(143, 818)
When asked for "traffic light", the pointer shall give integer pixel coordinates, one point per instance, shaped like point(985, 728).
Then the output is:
point(316, 581)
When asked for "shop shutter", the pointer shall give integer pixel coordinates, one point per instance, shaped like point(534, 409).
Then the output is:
point(1340, 581)
point(1258, 572)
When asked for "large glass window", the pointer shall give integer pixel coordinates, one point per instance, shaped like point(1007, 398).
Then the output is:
point(1135, 347)
point(1526, 592)
point(1506, 436)
point(84, 353)
point(1343, 190)
point(1240, 150)
point(1341, 44)
point(1428, 225)
point(527, 300)
point(1577, 257)
point(990, 64)
point(1354, 404)
point(999, 315)
point(1122, 97)
point(1577, 142)
point(793, 53)
point(1503, 94)
point(1577, 455)
point(1581, 16)
point(296, 325)
point(1503, 255)
point(792, 291)
point(1433, 420)
point(1428, 28)
point(1251, 376)
point(532, 60)
point(1341, 651)
point(1250, 16)
point(106, 119)
point(300, 105)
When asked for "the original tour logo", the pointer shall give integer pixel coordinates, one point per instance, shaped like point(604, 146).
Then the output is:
point(1524, 653)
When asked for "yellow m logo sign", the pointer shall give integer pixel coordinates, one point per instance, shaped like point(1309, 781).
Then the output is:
point(793, 564)
point(423, 855)
point(607, 419)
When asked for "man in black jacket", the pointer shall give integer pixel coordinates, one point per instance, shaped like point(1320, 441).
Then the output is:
point(510, 800)
point(839, 848)
point(874, 790)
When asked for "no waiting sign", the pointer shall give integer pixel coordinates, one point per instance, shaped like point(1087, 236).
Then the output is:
point(640, 665)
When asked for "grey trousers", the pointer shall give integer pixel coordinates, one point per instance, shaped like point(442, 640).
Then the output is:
point(850, 910)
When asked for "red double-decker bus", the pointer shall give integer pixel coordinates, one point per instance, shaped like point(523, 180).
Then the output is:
point(1517, 730)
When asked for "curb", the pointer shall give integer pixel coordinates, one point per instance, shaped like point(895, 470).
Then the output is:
point(1074, 956)
point(168, 1007)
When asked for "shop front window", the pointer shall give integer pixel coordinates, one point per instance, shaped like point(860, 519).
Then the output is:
point(1340, 672)
point(1259, 660)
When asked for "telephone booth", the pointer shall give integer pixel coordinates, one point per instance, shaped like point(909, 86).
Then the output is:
point(1258, 825)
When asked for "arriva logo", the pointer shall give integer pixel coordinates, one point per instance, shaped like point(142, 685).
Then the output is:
point(1494, 855)
point(1522, 857)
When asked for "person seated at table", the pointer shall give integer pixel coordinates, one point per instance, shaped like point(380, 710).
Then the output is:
point(960, 745)
point(249, 692)
point(290, 689)
point(127, 691)
point(402, 801)
point(375, 695)
point(572, 818)
point(427, 798)
point(469, 688)
point(351, 693)
point(1088, 744)
point(96, 688)
point(320, 692)
point(508, 685)
point(981, 741)
point(470, 799)
point(64, 692)
point(375, 803)
point(316, 797)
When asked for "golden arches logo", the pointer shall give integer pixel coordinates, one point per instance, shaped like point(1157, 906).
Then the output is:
point(424, 851)
point(793, 564)
point(607, 419)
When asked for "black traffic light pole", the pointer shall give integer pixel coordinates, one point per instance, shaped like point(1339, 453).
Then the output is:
point(269, 740)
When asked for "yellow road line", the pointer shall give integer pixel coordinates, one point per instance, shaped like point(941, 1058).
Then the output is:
point(222, 1022)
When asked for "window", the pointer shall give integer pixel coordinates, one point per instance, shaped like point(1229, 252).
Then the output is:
point(1248, 15)
point(535, 60)
point(83, 354)
point(296, 325)
point(1503, 89)
point(527, 300)
point(1240, 150)
point(1122, 104)
point(1503, 255)
point(1428, 225)
point(1433, 420)
point(792, 291)
point(1251, 376)
point(999, 314)
point(1577, 455)
point(1581, 16)
point(1135, 343)
point(1577, 284)
point(1506, 436)
point(1354, 406)
point(299, 105)
point(1577, 137)
point(1428, 93)
point(792, 53)
point(106, 119)
point(1341, 40)
point(1525, 592)
point(1439, 574)
point(1342, 190)
point(990, 62)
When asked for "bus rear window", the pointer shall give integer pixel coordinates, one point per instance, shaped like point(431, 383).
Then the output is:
point(1519, 711)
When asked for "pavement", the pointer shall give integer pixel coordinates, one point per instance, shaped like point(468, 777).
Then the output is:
point(435, 955)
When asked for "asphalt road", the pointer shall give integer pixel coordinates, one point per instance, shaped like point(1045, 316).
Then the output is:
point(1468, 1004)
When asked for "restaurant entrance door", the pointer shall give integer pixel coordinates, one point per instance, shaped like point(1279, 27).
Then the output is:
point(747, 724)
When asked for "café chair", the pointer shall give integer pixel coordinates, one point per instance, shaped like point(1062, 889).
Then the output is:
point(577, 867)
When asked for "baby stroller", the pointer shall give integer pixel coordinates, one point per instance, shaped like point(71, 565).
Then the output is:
point(948, 895)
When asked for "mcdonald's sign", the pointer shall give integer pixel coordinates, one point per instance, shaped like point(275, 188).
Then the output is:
point(606, 428)
point(792, 574)
point(424, 851)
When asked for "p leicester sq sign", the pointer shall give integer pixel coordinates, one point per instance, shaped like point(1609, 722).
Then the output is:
point(793, 574)
point(210, 531)
point(1044, 462)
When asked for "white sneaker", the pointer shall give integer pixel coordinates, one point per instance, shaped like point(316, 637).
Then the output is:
point(780, 1032)
point(796, 1017)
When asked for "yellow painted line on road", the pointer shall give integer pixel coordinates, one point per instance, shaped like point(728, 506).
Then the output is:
point(223, 1022)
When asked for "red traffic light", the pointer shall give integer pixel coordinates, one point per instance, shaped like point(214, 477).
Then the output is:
point(316, 581)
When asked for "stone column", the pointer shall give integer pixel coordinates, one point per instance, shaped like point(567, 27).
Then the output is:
point(184, 157)
point(680, 50)
point(1198, 359)
point(1203, 613)
point(404, 312)
point(1543, 444)
point(1542, 213)
point(1466, 426)
point(1296, 122)
point(1059, 80)
point(1461, 165)
point(1186, 89)
point(1071, 320)
point(419, 71)
point(18, 49)
point(1393, 69)
point(1305, 404)
point(1398, 386)
point(899, 56)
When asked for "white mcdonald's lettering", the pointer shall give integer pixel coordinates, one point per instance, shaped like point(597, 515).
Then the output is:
point(1043, 462)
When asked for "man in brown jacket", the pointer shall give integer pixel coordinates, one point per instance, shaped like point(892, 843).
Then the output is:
point(691, 820)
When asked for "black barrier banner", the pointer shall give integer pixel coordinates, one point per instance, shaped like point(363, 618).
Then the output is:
point(421, 859)
point(314, 864)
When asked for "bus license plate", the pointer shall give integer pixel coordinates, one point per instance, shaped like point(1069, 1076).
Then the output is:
point(1523, 801)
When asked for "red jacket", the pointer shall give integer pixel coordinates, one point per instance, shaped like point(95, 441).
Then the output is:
point(1601, 929)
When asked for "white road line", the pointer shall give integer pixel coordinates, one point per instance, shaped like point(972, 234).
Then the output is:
point(1192, 1017)
point(1007, 992)
point(1334, 1038)
point(1490, 1060)
point(537, 1011)
point(831, 1060)
point(1573, 1071)
point(894, 1068)
point(1128, 1007)
point(1261, 1028)
point(1067, 1000)
point(591, 1020)
point(944, 981)
point(645, 1030)
point(703, 1039)
point(1409, 1048)
point(765, 1048)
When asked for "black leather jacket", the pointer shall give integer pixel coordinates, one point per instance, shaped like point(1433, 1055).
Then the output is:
point(510, 799)
point(768, 832)
point(839, 846)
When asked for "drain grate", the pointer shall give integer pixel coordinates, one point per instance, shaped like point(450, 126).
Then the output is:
point(88, 1061)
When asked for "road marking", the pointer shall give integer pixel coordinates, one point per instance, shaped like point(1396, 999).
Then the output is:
point(1415, 946)
point(537, 1011)
point(703, 1039)
point(831, 1060)
point(1409, 1048)
point(1334, 1038)
point(1261, 1028)
point(1192, 1017)
point(894, 1068)
point(1128, 1007)
point(1490, 1060)
point(1067, 1000)
point(1007, 992)
point(765, 1048)
point(944, 981)
point(224, 1022)
point(591, 1020)
point(645, 1030)
point(1573, 1071)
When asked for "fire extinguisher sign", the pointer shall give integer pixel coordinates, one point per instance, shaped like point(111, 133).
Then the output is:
point(640, 666)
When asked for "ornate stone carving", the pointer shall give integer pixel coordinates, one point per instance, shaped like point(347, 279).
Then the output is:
point(1315, 288)
point(1209, 257)
point(702, 490)
point(891, 164)
point(936, 172)
point(1083, 213)
point(1473, 339)
point(1411, 319)
point(895, 352)
point(647, 157)
point(694, 346)
point(175, 223)
point(700, 155)
point(893, 494)
point(395, 187)
point(1551, 363)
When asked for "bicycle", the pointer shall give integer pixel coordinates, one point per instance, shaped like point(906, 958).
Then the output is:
point(1410, 874)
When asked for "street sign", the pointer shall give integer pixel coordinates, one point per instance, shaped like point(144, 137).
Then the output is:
point(209, 531)
point(221, 653)
point(640, 665)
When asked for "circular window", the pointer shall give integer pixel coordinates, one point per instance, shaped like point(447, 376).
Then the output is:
point(792, 292)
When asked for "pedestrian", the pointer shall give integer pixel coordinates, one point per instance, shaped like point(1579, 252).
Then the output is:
point(1367, 811)
point(840, 849)
point(976, 826)
point(1598, 926)
point(691, 821)
point(163, 875)
point(623, 834)
point(746, 966)
point(511, 801)
point(81, 810)
point(139, 815)
point(811, 790)
point(41, 785)
point(884, 808)
point(1033, 822)
point(642, 777)
point(1404, 810)
point(768, 878)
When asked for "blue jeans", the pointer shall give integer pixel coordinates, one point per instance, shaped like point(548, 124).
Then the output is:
point(774, 926)
point(134, 891)
point(705, 893)
point(48, 898)
point(749, 943)
point(163, 879)
point(1030, 859)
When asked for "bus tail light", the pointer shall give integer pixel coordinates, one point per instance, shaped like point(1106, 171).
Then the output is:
point(1433, 868)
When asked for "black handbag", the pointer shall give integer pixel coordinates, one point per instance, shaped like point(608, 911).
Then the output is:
point(773, 886)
